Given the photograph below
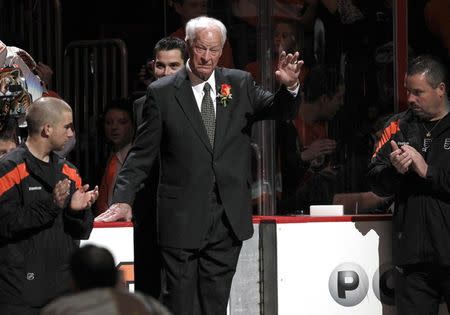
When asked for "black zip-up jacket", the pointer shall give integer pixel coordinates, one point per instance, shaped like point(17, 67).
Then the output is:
point(36, 237)
point(421, 220)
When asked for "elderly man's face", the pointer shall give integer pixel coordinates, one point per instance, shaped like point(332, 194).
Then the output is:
point(168, 62)
point(205, 51)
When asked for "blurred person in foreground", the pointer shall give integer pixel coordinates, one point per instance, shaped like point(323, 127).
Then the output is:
point(411, 162)
point(195, 120)
point(44, 211)
point(97, 290)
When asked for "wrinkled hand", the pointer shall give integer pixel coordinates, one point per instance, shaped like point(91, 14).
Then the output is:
point(399, 158)
point(288, 69)
point(117, 212)
point(82, 198)
point(61, 192)
point(44, 72)
point(418, 163)
point(318, 148)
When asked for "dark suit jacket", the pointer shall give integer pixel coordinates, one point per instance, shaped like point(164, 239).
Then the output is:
point(172, 125)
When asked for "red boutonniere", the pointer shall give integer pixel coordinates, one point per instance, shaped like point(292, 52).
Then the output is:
point(224, 95)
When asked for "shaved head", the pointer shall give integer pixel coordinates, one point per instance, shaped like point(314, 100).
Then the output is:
point(45, 110)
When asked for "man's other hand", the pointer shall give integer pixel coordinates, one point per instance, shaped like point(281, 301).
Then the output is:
point(400, 159)
point(116, 212)
point(61, 192)
point(83, 199)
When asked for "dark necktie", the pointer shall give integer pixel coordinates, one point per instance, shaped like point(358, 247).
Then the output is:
point(208, 116)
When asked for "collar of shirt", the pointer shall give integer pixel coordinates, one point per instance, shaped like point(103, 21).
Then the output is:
point(198, 85)
point(122, 153)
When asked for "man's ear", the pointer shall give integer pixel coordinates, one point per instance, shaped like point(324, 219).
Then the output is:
point(46, 130)
point(441, 89)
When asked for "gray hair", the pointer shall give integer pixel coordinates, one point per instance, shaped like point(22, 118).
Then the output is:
point(203, 22)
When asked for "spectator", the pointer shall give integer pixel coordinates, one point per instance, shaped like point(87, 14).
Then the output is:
point(96, 289)
point(287, 36)
point(44, 210)
point(119, 132)
point(169, 56)
point(7, 144)
point(307, 153)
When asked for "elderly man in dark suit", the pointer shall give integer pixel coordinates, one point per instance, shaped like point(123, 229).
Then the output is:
point(195, 120)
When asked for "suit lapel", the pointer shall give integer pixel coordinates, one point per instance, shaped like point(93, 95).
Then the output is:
point(222, 112)
point(186, 99)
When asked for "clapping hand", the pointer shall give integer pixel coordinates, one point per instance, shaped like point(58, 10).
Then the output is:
point(418, 163)
point(82, 198)
point(400, 159)
point(61, 192)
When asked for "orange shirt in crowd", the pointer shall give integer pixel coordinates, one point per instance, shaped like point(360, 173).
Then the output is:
point(310, 132)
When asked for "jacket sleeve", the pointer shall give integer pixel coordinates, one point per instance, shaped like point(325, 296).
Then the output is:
point(279, 106)
point(143, 153)
point(439, 178)
point(16, 219)
point(78, 224)
point(383, 177)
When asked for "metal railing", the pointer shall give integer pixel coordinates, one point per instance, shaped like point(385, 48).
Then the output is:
point(95, 72)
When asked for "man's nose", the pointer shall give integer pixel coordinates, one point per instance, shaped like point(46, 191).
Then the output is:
point(206, 55)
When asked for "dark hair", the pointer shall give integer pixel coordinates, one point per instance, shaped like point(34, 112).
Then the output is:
point(122, 104)
point(321, 80)
point(433, 68)
point(170, 43)
point(93, 267)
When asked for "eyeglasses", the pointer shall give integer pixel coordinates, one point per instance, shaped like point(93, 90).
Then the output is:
point(213, 51)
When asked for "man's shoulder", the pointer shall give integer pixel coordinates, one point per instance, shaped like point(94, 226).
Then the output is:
point(227, 72)
point(167, 82)
point(139, 101)
point(13, 159)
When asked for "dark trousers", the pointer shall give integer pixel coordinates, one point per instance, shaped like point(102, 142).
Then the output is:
point(6, 309)
point(198, 281)
point(419, 289)
point(147, 256)
point(147, 261)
